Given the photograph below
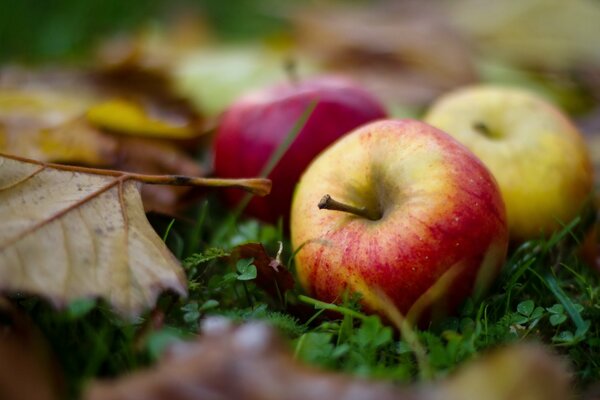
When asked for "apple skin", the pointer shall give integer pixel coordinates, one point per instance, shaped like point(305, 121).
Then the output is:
point(442, 218)
point(536, 154)
point(254, 126)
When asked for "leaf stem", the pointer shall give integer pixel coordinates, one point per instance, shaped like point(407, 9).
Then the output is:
point(257, 186)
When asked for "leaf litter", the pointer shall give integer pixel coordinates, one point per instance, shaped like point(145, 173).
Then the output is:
point(71, 233)
point(90, 118)
point(251, 361)
point(446, 348)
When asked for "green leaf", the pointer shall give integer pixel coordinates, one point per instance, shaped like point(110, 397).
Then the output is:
point(557, 319)
point(537, 313)
point(314, 347)
point(189, 307)
point(208, 305)
point(372, 333)
point(246, 270)
point(564, 337)
point(519, 319)
point(525, 307)
point(556, 309)
point(340, 351)
point(228, 278)
point(191, 316)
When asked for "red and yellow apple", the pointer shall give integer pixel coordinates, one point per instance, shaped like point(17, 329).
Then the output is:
point(253, 128)
point(534, 151)
point(411, 215)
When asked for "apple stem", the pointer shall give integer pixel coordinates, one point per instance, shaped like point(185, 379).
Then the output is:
point(483, 129)
point(328, 203)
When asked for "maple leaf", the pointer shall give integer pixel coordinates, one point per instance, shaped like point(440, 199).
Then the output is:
point(71, 232)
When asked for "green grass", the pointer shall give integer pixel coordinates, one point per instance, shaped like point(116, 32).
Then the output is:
point(58, 30)
point(545, 293)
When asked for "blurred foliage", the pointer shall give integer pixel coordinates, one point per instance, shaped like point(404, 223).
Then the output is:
point(36, 31)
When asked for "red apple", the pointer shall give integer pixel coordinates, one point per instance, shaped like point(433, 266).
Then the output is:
point(425, 224)
point(256, 125)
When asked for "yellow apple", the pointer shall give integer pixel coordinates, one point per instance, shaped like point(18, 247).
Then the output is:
point(533, 150)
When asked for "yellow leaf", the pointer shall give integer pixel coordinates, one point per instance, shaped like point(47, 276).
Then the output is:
point(127, 117)
point(45, 125)
point(70, 232)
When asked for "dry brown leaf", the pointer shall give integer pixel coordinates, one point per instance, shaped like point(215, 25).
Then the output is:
point(28, 370)
point(70, 233)
point(517, 372)
point(45, 124)
point(43, 117)
point(249, 362)
point(44, 113)
point(147, 156)
point(246, 362)
point(272, 276)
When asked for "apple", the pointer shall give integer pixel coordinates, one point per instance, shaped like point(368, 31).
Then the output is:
point(412, 216)
point(255, 126)
point(534, 151)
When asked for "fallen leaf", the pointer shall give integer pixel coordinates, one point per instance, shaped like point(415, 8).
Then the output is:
point(28, 370)
point(71, 232)
point(122, 102)
point(517, 372)
point(132, 118)
point(251, 362)
point(43, 117)
point(46, 125)
point(272, 276)
point(246, 362)
point(148, 156)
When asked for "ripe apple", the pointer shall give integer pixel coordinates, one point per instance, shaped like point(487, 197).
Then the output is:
point(256, 125)
point(412, 214)
point(535, 153)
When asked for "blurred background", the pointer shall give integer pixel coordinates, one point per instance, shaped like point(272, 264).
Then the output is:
point(408, 51)
point(207, 52)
